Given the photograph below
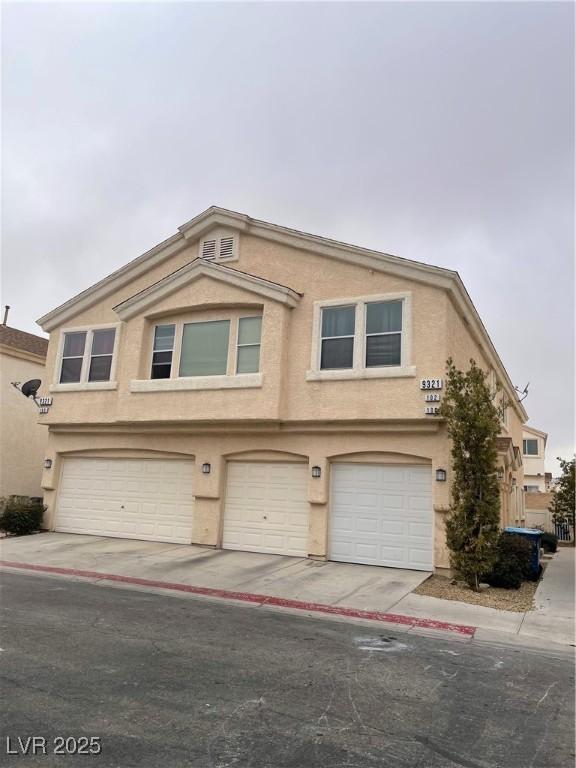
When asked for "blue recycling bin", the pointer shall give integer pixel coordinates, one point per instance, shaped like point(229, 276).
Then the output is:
point(533, 536)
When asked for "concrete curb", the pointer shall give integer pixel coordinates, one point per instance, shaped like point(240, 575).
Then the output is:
point(249, 597)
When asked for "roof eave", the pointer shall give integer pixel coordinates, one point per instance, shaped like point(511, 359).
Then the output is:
point(200, 268)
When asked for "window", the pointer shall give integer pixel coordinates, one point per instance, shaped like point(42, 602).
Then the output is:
point(248, 351)
point(383, 333)
point(530, 447)
point(531, 488)
point(368, 337)
point(87, 356)
point(204, 349)
point(72, 357)
point(101, 355)
point(338, 329)
point(162, 351)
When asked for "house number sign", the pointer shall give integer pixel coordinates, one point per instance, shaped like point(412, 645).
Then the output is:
point(430, 383)
point(431, 397)
point(44, 404)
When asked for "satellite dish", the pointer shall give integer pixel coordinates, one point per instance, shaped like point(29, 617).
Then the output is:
point(30, 388)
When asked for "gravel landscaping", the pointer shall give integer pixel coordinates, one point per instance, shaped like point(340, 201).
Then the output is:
point(518, 600)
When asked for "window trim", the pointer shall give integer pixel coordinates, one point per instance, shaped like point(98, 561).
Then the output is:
point(323, 338)
point(237, 345)
point(173, 350)
point(84, 384)
point(531, 455)
point(380, 333)
point(229, 380)
point(359, 369)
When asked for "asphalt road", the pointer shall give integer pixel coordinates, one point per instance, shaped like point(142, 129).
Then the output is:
point(168, 681)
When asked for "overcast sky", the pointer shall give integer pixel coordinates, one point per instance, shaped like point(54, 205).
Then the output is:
point(441, 132)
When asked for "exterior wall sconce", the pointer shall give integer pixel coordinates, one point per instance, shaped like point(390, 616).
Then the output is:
point(513, 482)
point(47, 463)
point(441, 475)
point(206, 468)
point(500, 474)
point(316, 471)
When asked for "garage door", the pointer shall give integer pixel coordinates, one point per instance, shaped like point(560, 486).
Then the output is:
point(382, 515)
point(267, 508)
point(148, 499)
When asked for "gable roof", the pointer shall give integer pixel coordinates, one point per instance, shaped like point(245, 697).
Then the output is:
point(534, 431)
point(322, 246)
point(199, 268)
point(23, 341)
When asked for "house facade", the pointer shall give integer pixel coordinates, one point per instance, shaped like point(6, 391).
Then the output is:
point(22, 440)
point(536, 479)
point(248, 386)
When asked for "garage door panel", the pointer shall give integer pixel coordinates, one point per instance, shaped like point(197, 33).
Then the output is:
point(150, 499)
point(267, 508)
point(382, 515)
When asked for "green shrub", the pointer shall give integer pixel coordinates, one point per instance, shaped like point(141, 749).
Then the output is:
point(21, 515)
point(549, 542)
point(512, 565)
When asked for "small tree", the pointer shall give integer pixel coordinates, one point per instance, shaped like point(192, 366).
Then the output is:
point(564, 503)
point(473, 422)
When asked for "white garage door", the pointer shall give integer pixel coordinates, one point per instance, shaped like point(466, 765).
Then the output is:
point(267, 508)
point(149, 499)
point(382, 515)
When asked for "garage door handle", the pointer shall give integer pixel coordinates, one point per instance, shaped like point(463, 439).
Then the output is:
point(265, 517)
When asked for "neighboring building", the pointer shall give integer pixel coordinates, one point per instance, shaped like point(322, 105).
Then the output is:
point(538, 513)
point(22, 439)
point(536, 479)
point(247, 386)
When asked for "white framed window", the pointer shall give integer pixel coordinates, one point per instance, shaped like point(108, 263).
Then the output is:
point(383, 333)
point(248, 344)
point(86, 358)
point(530, 447)
point(163, 351)
point(72, 357)
point(223, 352)
point(337, 342)
point(365, 337)
point(204, 348)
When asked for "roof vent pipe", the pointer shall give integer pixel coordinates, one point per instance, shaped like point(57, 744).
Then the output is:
point(6, 310)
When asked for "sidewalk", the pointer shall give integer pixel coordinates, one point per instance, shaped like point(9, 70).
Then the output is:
point(338, 589)
point(552, 621)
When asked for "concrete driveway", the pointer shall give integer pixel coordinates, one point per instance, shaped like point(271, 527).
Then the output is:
point(362, 587)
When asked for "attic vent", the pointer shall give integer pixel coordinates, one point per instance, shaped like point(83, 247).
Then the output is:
point(226, 247)
point(209, 250)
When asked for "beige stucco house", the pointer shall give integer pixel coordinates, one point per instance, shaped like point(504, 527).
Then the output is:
point(22, 440)
point(248, 386)
point(533, 459)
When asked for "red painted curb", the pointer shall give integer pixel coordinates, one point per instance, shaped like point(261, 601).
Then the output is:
point(249, 597)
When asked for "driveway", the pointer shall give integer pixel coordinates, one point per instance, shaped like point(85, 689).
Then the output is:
point(362, 587)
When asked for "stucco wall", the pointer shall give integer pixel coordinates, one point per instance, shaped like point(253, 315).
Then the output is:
point(22, 440)
point(286, 345)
